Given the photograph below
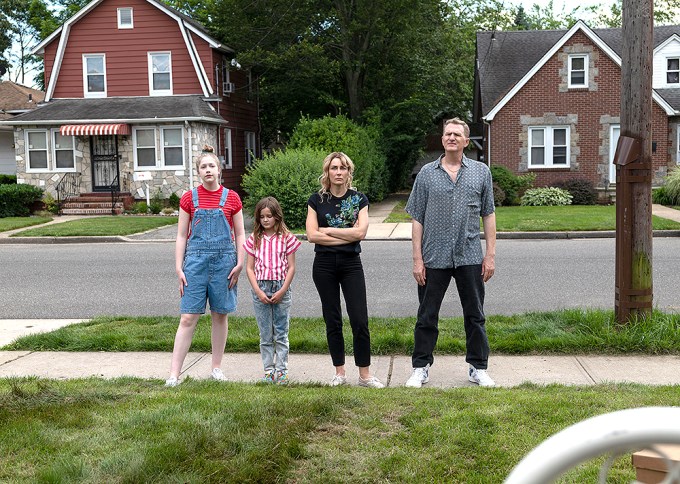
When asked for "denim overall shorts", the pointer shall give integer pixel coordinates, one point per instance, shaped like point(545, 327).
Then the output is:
point(209, 258)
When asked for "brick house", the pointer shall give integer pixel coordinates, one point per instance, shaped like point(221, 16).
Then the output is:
point(134, 89)
point(549, 102)
point(15, 99)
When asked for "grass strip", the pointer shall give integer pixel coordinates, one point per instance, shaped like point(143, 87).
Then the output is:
point(13, 223)
point(572, 331)
point(551, 219)
point(100, 226)
point(129, 430)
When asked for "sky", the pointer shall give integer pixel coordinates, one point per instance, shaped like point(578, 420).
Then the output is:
point(561, 5)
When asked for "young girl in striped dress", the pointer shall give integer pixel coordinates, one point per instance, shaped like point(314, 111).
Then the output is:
point(271, 267)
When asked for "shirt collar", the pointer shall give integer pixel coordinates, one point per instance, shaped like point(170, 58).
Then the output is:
point(465, 161)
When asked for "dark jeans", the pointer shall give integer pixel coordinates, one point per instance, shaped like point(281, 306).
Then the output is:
point(331, 272)
point(471, 292)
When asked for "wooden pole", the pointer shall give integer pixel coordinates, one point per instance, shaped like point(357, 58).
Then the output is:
point(634, 171)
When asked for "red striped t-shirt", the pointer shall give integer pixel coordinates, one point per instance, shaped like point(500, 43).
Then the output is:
point(271, 257)
point(208, 199)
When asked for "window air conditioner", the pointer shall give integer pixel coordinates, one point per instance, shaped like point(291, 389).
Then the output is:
point(228, 87)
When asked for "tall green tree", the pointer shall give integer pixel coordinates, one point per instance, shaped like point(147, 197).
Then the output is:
point(665, 12)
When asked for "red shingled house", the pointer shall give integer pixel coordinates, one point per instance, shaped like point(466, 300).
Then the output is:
point(134, 89)
point(549, 101)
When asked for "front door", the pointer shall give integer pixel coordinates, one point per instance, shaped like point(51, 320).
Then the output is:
point(104, 150)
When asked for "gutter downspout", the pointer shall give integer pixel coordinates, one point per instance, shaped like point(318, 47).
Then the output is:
point(488, 144)
point(189, 151)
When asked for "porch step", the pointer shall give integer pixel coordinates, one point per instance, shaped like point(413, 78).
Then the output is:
point(91, 211)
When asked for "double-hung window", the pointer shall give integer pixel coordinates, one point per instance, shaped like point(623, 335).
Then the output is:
point(250, 147)
point(227, 149)
point(48, 151)
point(673, 70)
point(578, 71)
point(94, 75)
point(549, 147)
point(125, 18)
point(63, 152)
point(160, 74)
point(144, 140)
point(172, 141)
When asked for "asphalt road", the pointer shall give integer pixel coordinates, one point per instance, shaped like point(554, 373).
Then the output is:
point(87, 280)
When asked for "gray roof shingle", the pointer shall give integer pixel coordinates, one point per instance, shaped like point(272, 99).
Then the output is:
point(123, 109)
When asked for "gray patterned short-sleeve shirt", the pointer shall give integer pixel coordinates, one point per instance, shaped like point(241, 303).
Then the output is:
point(450, 212)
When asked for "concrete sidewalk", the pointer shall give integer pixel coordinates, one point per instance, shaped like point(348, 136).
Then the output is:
point(447, 372)
point(377, 229)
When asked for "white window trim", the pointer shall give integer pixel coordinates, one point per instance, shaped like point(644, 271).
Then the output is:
point(548, 146)
point(132, 21)
point(250, 147)
point(155, 147)
point(677, 145)
point(86, 93)
point(666, 71)
point(163, 165)
point(227, 144)
point(54, 154)
point(585, 71)
point(28, 149)
point(159, 92)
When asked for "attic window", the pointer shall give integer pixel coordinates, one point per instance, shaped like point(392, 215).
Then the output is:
point(578, 71)
point(673, 70)
point(125, 18)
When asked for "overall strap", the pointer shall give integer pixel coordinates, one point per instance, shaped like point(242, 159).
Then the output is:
point(194, 197)
point(223, 199)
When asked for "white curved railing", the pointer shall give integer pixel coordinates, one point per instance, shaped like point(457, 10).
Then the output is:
point(613, 433)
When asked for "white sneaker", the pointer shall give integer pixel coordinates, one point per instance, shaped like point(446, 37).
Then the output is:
point(418, 377)
point(371, 382)
point(338, 380)
point(217, 374)
point(480, 377)
point(172, 382)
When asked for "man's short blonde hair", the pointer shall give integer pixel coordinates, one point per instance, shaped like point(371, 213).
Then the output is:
point(466, 128)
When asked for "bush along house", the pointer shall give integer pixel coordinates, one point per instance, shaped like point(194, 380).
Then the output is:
point(549, 102)
point(134, 90)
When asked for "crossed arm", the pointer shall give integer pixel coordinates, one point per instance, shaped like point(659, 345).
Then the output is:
point(332, 236)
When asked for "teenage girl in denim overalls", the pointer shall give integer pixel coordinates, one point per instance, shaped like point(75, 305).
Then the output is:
point(208, 264)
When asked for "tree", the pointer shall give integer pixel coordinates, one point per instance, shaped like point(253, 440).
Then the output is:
point(665, 12)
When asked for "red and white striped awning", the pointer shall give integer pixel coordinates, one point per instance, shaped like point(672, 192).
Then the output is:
point(94, 129)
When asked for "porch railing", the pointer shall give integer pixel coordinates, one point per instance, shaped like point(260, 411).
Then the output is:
point(114, 187)
point(67, 188)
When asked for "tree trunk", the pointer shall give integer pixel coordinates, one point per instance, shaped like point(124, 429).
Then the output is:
point(634, 180)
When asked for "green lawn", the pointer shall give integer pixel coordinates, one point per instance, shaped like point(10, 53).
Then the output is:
point(11, 223)
point(129, 430)
point(109, 225)
point(559, 332)
point(540, 219)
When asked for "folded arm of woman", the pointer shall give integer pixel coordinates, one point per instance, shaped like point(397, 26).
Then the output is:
point(314, 233)
point(356, 233)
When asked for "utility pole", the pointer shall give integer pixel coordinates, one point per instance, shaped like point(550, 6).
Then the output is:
point(634, 165)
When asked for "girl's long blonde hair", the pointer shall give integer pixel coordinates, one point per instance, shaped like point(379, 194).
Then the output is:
point(325, 178)
point(275, 208)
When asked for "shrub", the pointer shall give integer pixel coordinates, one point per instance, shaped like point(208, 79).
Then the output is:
point(544, 197)
point(140, 207)
point(582, 190)
point(8, 179)
point(672, 186)
point(156, 204)
point(50, 203)
point(338, 133)
point(16, 200)
point(174, 201)
point(498, 195)
point(290, 176)
point(512, 185)
point(660, 196)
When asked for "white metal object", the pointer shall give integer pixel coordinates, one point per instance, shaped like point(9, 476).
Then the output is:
point(612, 433)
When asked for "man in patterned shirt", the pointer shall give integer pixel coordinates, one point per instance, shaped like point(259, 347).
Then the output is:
point(448, 198)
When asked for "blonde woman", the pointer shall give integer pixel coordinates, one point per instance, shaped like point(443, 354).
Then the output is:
point(337, 221)
point(209, 258)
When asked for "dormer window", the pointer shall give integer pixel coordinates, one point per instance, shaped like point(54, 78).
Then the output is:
point(94, 75)
point(578, 71)
point(673, 70)
point(160, 74)
point(125, 18)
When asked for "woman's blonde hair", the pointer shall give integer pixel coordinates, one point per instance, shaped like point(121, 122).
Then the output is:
point(208, 152)
point(325, 178)
point(275, 208)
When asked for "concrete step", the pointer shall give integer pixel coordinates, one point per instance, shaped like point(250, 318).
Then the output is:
point(91, 211)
